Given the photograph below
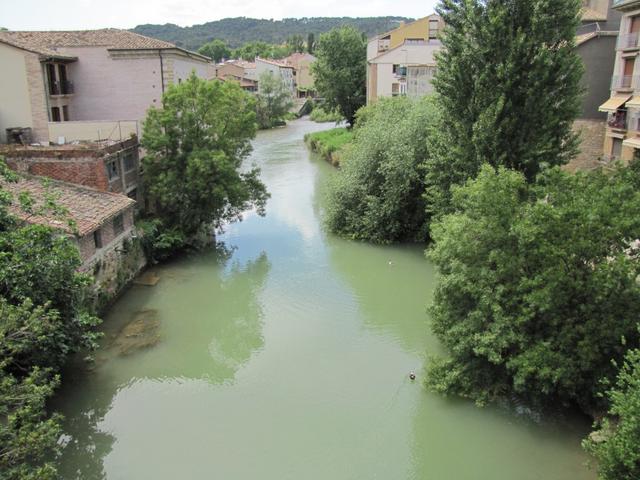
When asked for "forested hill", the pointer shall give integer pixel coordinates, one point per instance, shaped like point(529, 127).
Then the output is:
point(238, 31)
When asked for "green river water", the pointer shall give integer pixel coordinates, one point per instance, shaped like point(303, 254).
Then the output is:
point(285, 356)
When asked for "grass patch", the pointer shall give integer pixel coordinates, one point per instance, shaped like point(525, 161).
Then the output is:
point(329, 143)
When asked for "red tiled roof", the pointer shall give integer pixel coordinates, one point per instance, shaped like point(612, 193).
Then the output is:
point(47, 43)
point(274, 62)
point(89, 208)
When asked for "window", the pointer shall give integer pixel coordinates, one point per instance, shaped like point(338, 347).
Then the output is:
point(133, 194)
point(129, 162)
point(97, 238)
point(434, 29)
point(118, 225)
point(400, 70)
point(414, 41)
point(65, 113)
point(55, 114)
point(112, 170)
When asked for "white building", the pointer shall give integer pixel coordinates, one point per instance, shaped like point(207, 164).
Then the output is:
point(281, 70)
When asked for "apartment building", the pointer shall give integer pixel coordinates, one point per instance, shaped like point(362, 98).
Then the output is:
point(301, 63)
point(105, 75)
point(402, 61)
point(622, 137)
point(279, 69)
point(235, 71)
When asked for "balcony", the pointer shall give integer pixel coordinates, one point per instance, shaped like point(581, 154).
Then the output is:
point(618, 120)
point(624, 82)
point(625, 4)
point(628, 41)
point(64, 87)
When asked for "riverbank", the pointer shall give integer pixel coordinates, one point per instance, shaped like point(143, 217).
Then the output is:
point(330, 144)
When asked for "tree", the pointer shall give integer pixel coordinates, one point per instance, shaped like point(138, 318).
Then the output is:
point(508, 85)
point(376, 195)
point(616, 445)
point(217, 50)
point(195, 146)
point(310, 43)
point(44, 317)
point(273, 100)
point(538, 285)
point(296, 43)
point(340, 70)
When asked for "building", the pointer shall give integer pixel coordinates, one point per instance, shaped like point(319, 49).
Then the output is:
point(53, 80)
point(108, 166)
point(103, 221)
point(402, 61)
point(301, 63)
point(622, 137)
point(595, 43)
point(234, 71)
point(279, 69)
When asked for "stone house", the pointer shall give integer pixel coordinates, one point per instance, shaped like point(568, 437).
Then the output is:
point(233, 71)
point(103, 220)
point(70, 77)
point(402, 61)
point(108, 166)
point(301, 63)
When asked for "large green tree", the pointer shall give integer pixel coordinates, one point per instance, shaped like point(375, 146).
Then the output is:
point(195, 145)
point(616, 445)
point(508, 90)
point(538, 285)
point(340, 71)
point(376, 195)
point(216, 49)
point(273, 100)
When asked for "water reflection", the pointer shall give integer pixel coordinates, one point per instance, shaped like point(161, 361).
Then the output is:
point(206, 320)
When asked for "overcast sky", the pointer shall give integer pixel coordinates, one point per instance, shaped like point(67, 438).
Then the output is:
point(87, 14)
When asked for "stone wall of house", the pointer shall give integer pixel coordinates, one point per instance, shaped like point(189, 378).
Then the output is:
point(592, 134)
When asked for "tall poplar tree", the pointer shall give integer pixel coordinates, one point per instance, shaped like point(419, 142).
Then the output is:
point(508, 90)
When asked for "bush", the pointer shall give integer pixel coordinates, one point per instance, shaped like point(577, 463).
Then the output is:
point(538, 285)
point(320, 115)
point(328, 142)
point(377, 195)
point(617, 444)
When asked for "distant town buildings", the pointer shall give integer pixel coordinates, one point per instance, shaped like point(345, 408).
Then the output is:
point(402, 61)
point(303, 80)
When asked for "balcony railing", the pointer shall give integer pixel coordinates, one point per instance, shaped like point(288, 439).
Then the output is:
point(618, 120)
point(624, 82)
point(61, 88)
point(629, 40)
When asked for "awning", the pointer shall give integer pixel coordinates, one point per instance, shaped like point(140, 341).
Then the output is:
point(632, 142)
point(614, 103)
point(634, 102)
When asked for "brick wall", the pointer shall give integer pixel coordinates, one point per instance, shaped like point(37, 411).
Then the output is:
point(89, 172)
point(592, 141)
point(108, 236)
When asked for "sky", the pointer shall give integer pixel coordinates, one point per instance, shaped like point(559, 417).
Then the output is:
point(90, 14)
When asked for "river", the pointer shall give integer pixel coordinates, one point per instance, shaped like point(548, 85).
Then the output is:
point(285, 355)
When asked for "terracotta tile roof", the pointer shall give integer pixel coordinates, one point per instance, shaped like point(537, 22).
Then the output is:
point(87, 207)
point(591, 15)
point(47, 43)
point(274, 62)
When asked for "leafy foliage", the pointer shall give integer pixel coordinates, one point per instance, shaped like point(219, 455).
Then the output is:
point(249, 51)
point(618, 449)
point(195, 146)
point(43, 319)
point(238, 31)
point(273, 100)
point(538, 285)
point(340, 70)
point(320, 115)
point(376, 196)
point(216, 49)
point(508, 85)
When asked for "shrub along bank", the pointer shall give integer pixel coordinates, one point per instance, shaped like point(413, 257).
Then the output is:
point(330, 144)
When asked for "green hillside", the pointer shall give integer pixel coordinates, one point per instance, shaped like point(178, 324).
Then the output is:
point(237, 31)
